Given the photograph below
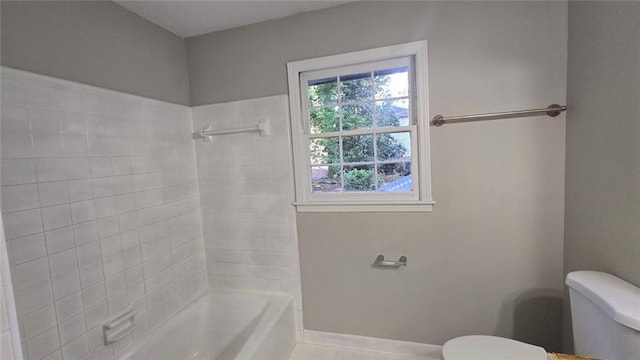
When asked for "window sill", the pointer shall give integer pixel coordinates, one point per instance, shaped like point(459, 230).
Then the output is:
point(423, 206)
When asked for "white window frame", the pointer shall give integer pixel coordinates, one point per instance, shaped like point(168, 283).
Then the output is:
point(420, 198)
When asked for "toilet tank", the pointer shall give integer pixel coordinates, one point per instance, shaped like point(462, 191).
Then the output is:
point(605, 313)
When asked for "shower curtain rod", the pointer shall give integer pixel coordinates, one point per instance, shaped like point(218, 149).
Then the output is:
point(552, 110)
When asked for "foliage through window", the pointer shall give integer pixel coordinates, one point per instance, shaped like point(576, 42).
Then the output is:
point(360, 139)
point(360, 130)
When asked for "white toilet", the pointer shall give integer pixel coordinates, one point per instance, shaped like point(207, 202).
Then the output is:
point(606, 325)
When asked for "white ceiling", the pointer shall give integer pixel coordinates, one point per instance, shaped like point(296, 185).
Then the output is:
point(187, 18)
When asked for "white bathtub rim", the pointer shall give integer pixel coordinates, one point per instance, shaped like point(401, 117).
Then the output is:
point(284, 300)
point(278, 305)
point(152, 330)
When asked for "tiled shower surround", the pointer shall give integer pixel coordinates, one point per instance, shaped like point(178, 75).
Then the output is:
point(101, 212)
point(246, 189)
point(10, 347)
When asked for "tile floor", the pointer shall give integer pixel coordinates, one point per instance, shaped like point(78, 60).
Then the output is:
point(304, 351)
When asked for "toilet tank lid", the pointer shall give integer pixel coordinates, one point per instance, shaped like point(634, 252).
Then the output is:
point(616, 297)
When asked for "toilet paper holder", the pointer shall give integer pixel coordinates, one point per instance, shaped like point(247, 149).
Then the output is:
point(380, 261)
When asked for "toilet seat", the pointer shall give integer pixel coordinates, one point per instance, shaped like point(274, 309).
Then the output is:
point(482, 347)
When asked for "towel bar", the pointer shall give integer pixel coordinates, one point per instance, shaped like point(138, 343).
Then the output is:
point(380, 261)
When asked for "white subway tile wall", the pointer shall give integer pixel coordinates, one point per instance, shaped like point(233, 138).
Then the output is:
point(101, 211)
point(9, 329)
point(246, 193)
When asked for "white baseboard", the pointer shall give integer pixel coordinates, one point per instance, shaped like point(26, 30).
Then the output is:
point(373, 344)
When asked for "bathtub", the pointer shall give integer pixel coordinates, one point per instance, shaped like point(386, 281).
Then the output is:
point(223, 325)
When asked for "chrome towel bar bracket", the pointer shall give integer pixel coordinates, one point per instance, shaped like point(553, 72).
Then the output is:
point(380, 261)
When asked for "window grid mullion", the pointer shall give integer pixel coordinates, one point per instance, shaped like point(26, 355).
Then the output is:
point(359, 102)
point(360, 163)
point(358, 132)
point(394, 161)
point(339, 84)
point(341, 164)
point(374, 126)
point(339, 104)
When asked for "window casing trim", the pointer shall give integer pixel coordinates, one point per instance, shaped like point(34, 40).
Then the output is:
point(418, 200)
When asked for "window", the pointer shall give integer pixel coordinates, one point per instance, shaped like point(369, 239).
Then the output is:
point(360, 130)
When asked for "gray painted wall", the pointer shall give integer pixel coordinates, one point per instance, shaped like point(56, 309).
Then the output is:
point(602, 230)
point(250, 61)
point(603, 139)
point(97, 43)
point(488, 259)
